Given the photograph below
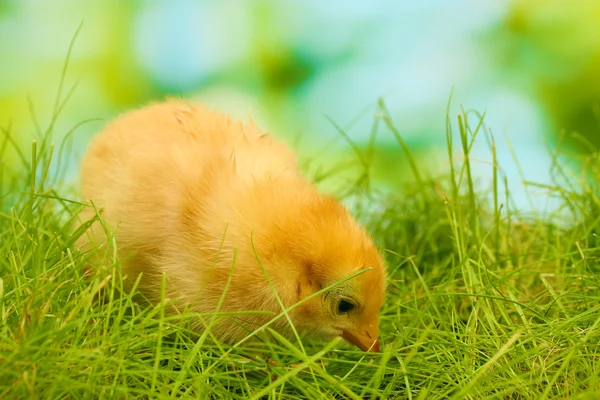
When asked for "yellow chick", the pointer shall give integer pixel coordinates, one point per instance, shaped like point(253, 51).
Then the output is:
point(194, 194)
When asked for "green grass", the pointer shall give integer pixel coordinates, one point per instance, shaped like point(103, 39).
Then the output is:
point(483, 302)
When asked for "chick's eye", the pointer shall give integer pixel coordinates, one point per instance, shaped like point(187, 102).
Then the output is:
point(344, 306)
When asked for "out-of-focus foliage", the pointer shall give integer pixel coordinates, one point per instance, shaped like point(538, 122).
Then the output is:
point(552, 47)
point(297, 66)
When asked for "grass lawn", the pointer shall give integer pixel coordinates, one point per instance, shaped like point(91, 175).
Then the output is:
point(483, 302)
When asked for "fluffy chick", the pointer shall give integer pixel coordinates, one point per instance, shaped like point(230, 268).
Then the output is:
point(194, 192)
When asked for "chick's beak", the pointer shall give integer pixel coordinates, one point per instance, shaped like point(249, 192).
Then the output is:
point(365, 340)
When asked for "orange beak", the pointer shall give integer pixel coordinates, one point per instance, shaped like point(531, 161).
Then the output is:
point(365, 341)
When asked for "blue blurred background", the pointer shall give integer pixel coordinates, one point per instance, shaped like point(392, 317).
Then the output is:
point(532, 65)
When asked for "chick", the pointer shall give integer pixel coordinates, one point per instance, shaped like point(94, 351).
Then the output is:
point(204, 199)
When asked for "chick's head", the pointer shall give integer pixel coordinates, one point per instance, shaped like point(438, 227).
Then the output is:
point(324, 246)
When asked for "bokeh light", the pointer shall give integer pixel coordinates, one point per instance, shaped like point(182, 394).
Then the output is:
point(531, 65)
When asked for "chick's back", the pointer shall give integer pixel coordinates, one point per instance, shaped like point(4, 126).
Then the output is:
point(158, 170)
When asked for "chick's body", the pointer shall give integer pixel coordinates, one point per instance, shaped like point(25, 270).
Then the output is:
point(193, 193)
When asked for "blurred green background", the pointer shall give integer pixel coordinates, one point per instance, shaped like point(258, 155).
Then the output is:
point(533, 65)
